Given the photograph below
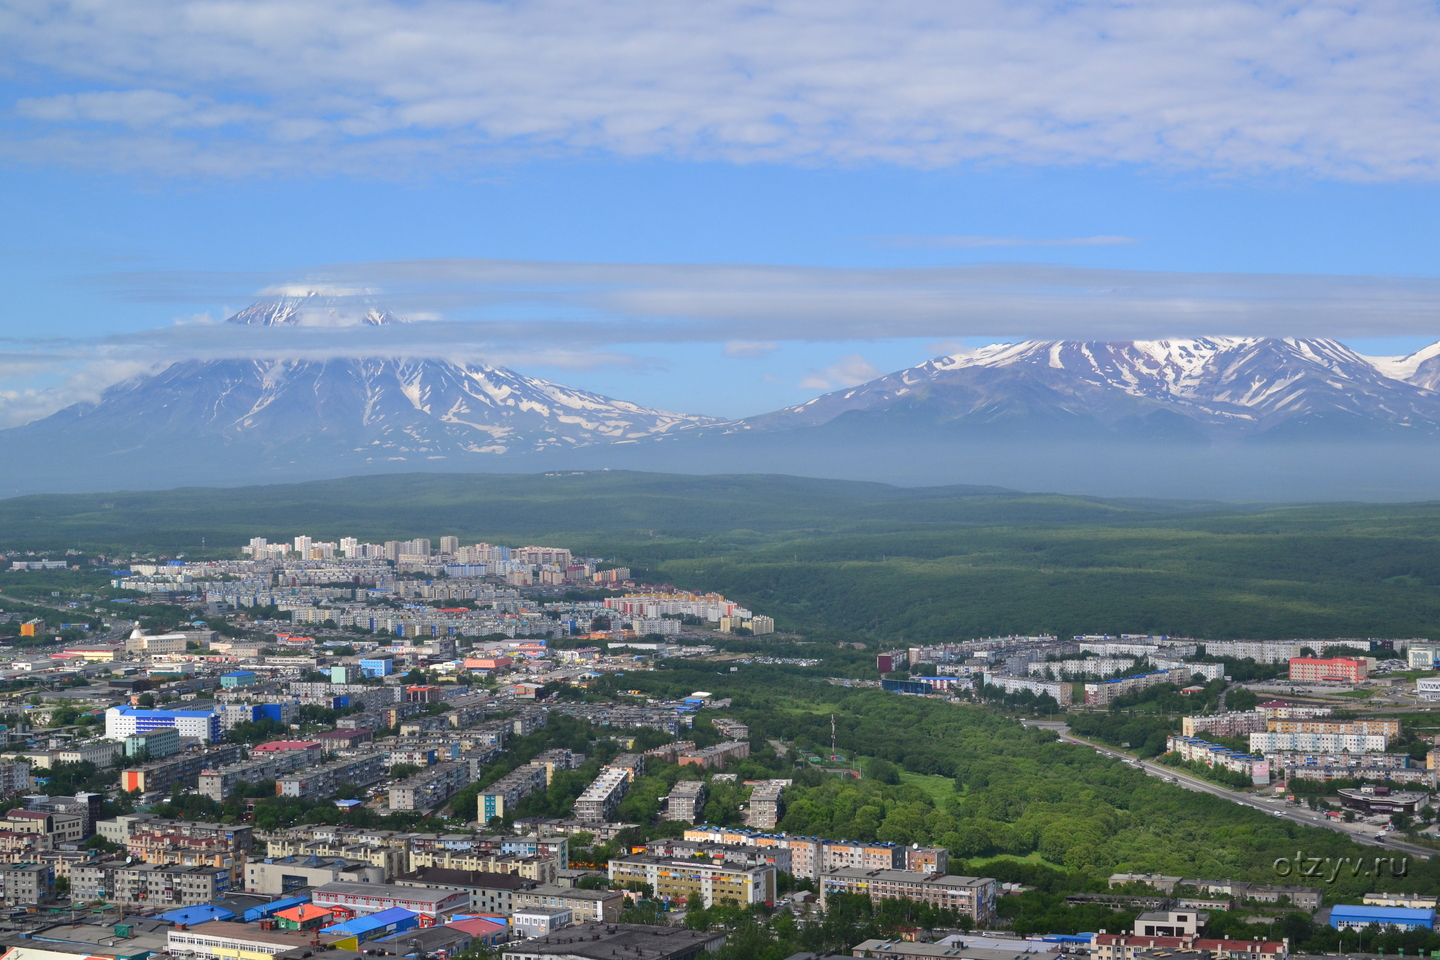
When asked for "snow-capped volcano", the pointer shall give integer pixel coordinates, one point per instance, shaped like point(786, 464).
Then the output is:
point(356, 410)
point(1238, 386)
point(314, 308)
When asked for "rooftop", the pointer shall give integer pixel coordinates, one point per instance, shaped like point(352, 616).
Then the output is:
point(251, 933)
point(634, 941)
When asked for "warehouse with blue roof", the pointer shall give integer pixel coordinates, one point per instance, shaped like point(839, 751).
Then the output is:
point(1350, 917)
point(376, 925)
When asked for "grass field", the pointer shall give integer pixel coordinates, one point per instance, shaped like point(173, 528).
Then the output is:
point(840, 558)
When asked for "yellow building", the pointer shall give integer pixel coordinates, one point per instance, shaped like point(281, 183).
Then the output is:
point(677, 880)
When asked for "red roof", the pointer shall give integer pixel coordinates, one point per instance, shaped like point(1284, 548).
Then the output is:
point(287, 745)
point(306, 911)
point(478, 927)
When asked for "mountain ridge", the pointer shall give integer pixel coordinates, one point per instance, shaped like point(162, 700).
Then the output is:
point(1219, 387)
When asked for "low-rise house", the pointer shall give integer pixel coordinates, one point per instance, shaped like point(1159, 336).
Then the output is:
point(1120, 946)
point(284, 876)
point(359, 899)
point(599, 906)
point(488, 892)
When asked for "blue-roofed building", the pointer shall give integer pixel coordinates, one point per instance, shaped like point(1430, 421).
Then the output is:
point(238, 678)
point(199, 913)
point(122, 722)
point(380, 666)
point(375, 925)
point(1349, 917)
point(273, 907)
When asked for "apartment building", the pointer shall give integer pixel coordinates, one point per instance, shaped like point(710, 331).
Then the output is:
point(1389, 729)
point(220, 782)
point(559, 759)
point(24, 884)
point(765, 805)
point(1214, 755)
point(102, 753)
point(193, 844)
point(602, 797)
point(540, 869)
point(393, 859)
point(1261, 651)
point(1270, 742)
point(1061, 693)
point(122, 722)
point(312, 750)
point(920, 859)
point(678, 880)
point(1235, 724)
point(1284, 710)
point(717, 755)
point(317, 783)
point(733, 729)
point(57, 828)
point(1328, 669)
point(973, 896)
point(1106, 692)
point(812, 857)
point(744, 855)
point(159, 776)
point(151, 884)
point(686, 801)
point(430, 787)
point(503, 794)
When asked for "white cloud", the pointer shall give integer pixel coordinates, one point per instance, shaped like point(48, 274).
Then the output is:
point(847, 372)
point(391, 87)
point(750, 349)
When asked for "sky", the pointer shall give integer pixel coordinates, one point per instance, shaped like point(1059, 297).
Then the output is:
point(715, 208)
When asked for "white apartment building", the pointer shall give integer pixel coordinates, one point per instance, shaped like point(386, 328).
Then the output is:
point(1272, 742)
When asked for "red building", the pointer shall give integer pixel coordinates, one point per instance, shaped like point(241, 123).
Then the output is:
point(423, 693)
point(1328, 670)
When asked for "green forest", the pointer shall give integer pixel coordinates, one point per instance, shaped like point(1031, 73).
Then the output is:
point(841, 559)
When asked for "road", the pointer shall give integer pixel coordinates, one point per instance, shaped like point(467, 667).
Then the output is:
point(1360, 833)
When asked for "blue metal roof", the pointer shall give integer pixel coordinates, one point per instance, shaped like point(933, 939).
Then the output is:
point(274, 906)
point(374, 921)
point(200, 913)
point(1406, 915)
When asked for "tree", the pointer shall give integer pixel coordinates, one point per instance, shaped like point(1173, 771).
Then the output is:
point(882, 770)
point(147, 700)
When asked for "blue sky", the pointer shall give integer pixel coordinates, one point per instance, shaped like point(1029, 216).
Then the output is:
point(1191, 169)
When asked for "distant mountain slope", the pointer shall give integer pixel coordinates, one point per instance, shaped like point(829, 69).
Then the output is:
point(1214, 388)
point(359, 410)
